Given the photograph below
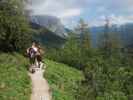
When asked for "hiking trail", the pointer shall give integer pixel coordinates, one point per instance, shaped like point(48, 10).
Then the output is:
point(40, 87)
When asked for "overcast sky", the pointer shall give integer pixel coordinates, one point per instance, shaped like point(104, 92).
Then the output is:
point(92, 11)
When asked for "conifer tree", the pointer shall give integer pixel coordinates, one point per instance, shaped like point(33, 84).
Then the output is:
point(109, 41)
point(84, 32)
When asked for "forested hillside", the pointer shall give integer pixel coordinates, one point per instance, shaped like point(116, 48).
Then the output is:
point(107, 69)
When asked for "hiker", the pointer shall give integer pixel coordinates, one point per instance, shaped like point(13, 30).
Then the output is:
point(32, 52)
point(35, 53)
point(39, 56)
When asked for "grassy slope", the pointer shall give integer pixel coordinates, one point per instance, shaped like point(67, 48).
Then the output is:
point(14, 81)
point(63, 80)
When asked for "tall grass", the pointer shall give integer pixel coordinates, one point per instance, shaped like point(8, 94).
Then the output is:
point(14, 81)
point(63, 80)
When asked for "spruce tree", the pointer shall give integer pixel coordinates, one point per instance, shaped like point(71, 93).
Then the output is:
point(109, 41)
point(84, 33)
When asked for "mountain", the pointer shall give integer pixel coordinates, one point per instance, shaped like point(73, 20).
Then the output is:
point(56, 32)
point(52, 23)
point(95, 33)
point(125, 32)
point(47, 37)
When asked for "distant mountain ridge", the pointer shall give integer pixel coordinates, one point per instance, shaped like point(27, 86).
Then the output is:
point(50, 22)
point(57, 31)
point(46, 37)
point(125, 32)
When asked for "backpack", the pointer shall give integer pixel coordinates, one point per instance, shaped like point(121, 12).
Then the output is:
point(32, 53)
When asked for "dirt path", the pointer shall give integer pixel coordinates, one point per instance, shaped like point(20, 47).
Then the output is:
point(40, 87)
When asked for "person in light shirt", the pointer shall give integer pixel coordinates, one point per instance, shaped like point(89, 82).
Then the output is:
point(32, 55)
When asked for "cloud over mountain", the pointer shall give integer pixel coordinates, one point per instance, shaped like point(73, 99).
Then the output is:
point(69, 11)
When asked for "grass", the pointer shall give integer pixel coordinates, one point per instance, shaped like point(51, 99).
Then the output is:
point(14, 81)
point(63, 80)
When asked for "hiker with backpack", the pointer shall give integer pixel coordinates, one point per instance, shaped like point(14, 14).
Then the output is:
point(39, 56)
point(34, 54)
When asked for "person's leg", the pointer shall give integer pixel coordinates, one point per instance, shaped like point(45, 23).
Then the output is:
point(32, 65)
point(39, 59)
point(37, 63)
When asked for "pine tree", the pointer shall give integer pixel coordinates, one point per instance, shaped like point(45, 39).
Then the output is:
point(84, 32)
point(109, 41)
